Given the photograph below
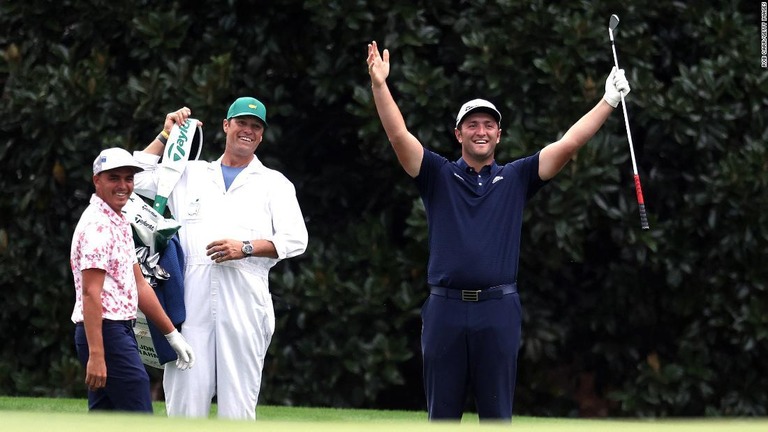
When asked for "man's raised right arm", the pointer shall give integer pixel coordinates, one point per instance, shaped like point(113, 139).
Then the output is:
point(145, 182)
point(157, 146)
point(408, 149)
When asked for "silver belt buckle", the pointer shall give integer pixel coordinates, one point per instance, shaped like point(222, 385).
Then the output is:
point(470, 295)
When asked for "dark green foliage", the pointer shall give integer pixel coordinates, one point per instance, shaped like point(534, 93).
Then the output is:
point(668, 322)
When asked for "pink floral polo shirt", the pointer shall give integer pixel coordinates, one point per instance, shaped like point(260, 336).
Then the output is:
point(103, 240)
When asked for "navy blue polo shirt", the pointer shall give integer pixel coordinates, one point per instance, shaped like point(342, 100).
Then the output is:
point(475, 219)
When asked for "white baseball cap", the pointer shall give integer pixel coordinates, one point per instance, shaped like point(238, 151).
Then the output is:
point(112, 158)
point(476, 105)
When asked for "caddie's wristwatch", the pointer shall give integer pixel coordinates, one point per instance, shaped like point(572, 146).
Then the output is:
point(247, 248)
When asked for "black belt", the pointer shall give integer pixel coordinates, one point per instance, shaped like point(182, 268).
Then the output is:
point(494, 292)
point(109, 321)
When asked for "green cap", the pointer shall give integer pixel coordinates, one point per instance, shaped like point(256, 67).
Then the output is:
point(248, 106)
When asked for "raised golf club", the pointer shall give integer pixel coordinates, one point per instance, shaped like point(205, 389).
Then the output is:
point(612, 23)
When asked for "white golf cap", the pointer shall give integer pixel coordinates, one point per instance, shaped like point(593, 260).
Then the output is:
point(476, 105)
point(112, 158)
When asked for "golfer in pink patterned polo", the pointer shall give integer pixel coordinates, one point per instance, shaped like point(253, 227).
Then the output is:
point(109, 289)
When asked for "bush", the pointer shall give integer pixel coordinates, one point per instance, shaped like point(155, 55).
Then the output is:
point(668, 322)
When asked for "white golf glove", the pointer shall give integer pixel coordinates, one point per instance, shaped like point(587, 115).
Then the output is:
point(615, 86)
point(186, 358)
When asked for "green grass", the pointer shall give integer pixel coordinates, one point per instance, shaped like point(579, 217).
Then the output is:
point(271, 413)
point(64, 415)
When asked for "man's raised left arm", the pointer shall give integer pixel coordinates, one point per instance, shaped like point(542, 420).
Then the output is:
point(555, 156)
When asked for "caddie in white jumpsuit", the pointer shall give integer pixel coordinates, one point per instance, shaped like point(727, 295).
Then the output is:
point(238, 219)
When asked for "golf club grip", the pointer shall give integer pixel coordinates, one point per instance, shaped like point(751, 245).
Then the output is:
point(641, 204)
point(643, 218)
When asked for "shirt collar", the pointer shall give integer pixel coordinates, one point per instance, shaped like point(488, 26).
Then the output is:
point(485, 170)
point(254, 165)
point(115, 218)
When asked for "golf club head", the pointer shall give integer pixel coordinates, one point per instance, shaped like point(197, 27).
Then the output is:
point(613, 22)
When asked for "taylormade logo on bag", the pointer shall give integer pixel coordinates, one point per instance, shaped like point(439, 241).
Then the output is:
point(176, 150)
point(138, 220)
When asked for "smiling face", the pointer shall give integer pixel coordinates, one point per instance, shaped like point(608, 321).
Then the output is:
point(115, 186)
point(244, 134)
point(478, 135)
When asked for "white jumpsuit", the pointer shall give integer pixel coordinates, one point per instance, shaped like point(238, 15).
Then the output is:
point(230, 318)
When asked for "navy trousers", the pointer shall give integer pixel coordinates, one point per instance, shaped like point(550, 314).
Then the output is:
point(470, 347)
point(127, 386)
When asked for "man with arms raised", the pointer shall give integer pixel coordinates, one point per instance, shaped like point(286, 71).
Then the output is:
point(472, 318)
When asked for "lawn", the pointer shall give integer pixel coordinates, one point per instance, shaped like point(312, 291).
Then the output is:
point(65, 415)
